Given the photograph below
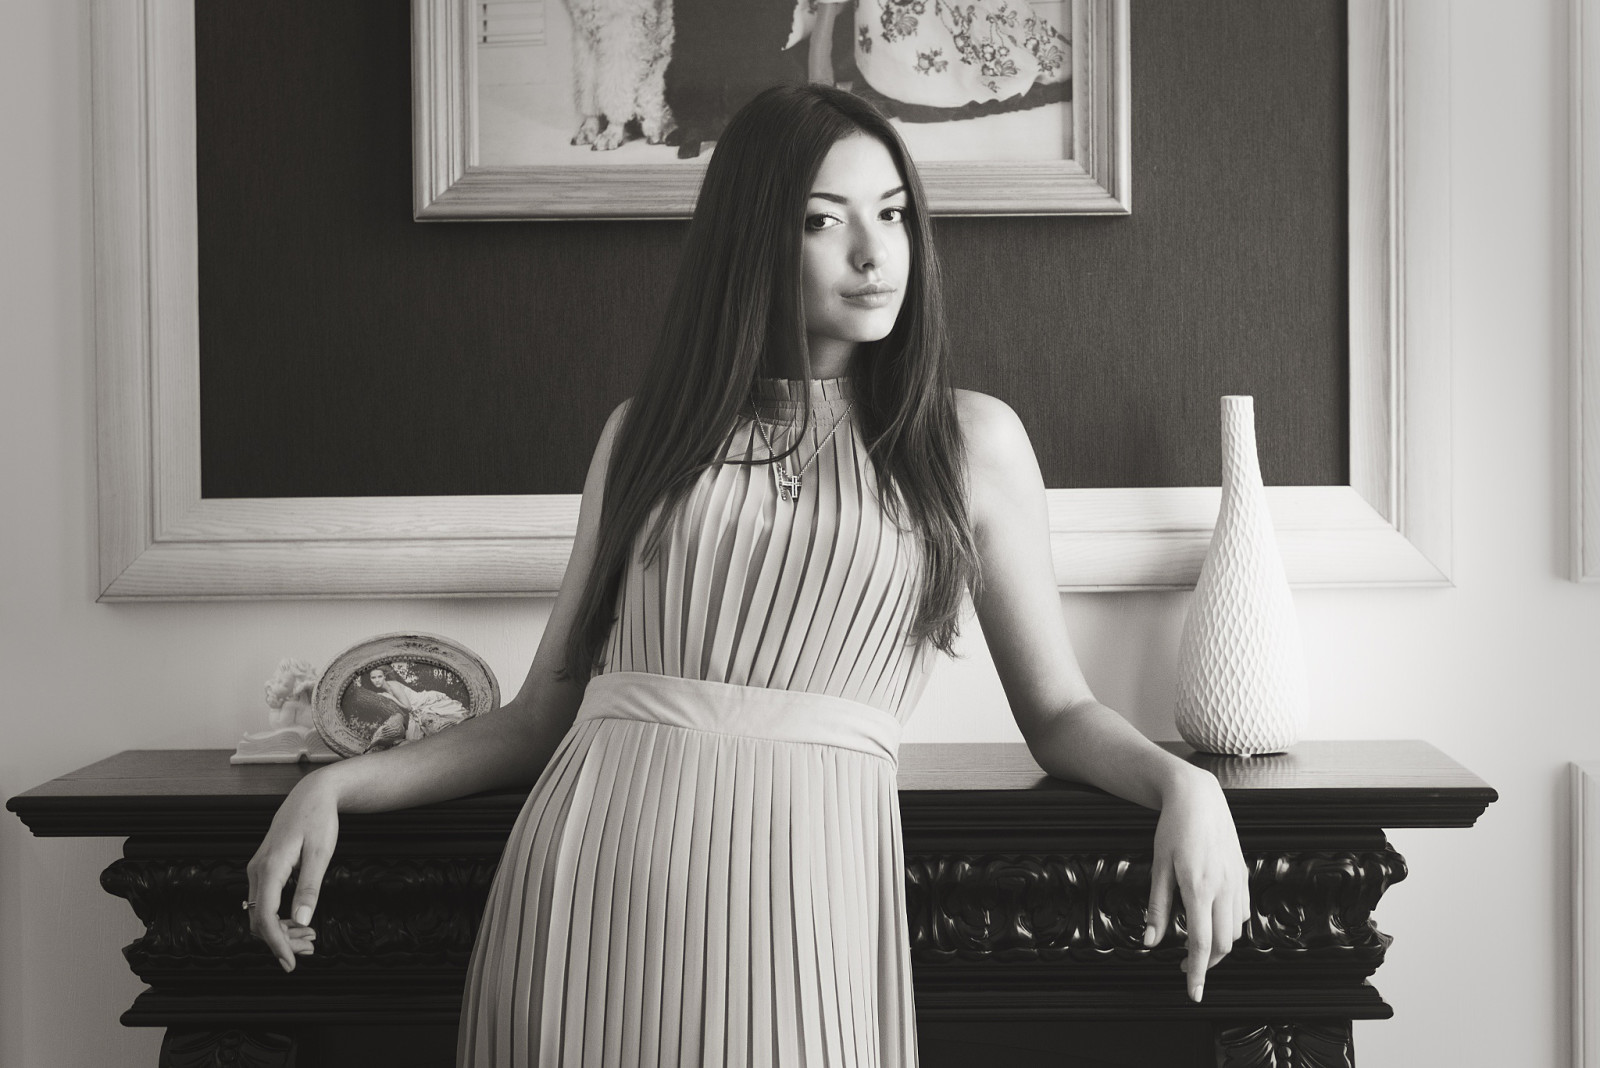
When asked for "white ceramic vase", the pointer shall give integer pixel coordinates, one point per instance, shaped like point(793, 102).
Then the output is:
point(1241, 666)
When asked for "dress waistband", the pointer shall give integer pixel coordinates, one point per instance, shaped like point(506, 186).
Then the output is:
point(751, 711)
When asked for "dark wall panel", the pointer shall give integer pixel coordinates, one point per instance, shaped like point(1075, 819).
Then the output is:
point(347, 350)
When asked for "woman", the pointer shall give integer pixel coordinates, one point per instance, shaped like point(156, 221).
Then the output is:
point(368, 711)
point(427, 711)
point(775, 536)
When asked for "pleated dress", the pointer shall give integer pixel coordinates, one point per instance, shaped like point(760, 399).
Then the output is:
point(710, 871)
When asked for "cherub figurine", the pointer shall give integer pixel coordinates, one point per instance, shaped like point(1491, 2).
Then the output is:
point(289, 694)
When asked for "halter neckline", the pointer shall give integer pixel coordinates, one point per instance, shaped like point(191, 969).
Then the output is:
point(825, 393)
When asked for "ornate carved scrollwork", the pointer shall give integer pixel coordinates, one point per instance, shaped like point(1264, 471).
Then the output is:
point(1314, 902)
point(403, 910)
point(1081, 907)
point(1023, 908)
point(1286, 1045)
point(1014, 908)
point(226, 1049)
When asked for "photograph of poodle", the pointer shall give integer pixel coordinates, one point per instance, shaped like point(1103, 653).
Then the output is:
point(620, 54)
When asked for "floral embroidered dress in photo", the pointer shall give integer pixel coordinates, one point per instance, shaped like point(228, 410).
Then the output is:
point(950, 55)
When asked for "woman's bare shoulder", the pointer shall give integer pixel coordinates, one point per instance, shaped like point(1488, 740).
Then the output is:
point(600, 461)
point(612, 430)
point(614, 420)
point(995, 438)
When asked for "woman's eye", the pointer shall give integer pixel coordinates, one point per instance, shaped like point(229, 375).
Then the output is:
point(895, 214)
point(819, 222)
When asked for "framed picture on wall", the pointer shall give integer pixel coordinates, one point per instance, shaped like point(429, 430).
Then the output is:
point(518, 112)
point(163, 538)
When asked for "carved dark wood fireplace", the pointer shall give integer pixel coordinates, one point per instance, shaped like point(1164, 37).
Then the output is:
point(1026, 900)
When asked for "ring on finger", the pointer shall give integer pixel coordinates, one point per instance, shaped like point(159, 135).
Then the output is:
point(247, 905)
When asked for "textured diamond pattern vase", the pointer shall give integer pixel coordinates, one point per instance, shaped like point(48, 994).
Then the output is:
point(1241, 668)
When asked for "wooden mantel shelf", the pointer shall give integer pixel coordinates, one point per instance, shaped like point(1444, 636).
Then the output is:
point(1025, 895)
point(1382, 783)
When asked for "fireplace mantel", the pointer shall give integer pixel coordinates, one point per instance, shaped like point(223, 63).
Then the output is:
point(1025, 894)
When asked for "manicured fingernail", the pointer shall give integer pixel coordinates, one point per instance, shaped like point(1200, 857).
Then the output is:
point(1150, 935)
point(285, 965)
point(1199, 992)
point(302, 915)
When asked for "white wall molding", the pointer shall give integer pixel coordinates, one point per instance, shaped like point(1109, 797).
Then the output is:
point(1584, 338)
point(1585, 853)
point(159, 539)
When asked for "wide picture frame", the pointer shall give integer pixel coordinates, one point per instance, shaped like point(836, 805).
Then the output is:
point(160, 539)
point(462, 117)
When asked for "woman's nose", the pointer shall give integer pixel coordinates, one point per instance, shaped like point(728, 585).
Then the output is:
point(870, 250)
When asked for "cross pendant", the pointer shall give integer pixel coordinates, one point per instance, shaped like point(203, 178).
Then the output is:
point(788, 486)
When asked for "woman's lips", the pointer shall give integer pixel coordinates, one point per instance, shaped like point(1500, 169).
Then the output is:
point(871, 296)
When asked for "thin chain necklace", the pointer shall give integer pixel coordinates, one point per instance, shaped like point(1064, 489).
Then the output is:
point(789, 485)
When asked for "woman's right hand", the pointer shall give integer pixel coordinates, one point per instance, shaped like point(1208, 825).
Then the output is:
point(302, 837)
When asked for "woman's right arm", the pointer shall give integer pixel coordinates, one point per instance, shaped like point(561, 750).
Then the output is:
point(503, 748)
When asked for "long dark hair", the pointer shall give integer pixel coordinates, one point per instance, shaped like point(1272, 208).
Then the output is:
point(736, 313)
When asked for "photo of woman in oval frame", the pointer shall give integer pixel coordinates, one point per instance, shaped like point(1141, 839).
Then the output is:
point(397, 688)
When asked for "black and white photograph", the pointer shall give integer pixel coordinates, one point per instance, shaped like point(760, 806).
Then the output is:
point(391, 704)
point(563, 82)
point(800, 534)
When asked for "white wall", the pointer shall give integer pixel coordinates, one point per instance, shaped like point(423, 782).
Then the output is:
point(1493, 671)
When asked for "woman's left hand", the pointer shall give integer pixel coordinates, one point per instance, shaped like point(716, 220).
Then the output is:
point(1197, 855)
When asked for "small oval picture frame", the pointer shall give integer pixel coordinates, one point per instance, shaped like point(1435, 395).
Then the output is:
point(397, 688)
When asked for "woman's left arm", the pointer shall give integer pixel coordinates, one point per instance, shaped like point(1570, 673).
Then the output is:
point(1072, 735)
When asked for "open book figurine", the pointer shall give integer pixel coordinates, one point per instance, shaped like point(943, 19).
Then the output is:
point(285, 745)
point(286, 740)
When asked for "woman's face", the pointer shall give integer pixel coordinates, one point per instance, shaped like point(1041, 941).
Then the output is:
point(856, 252)
point(376, 677)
